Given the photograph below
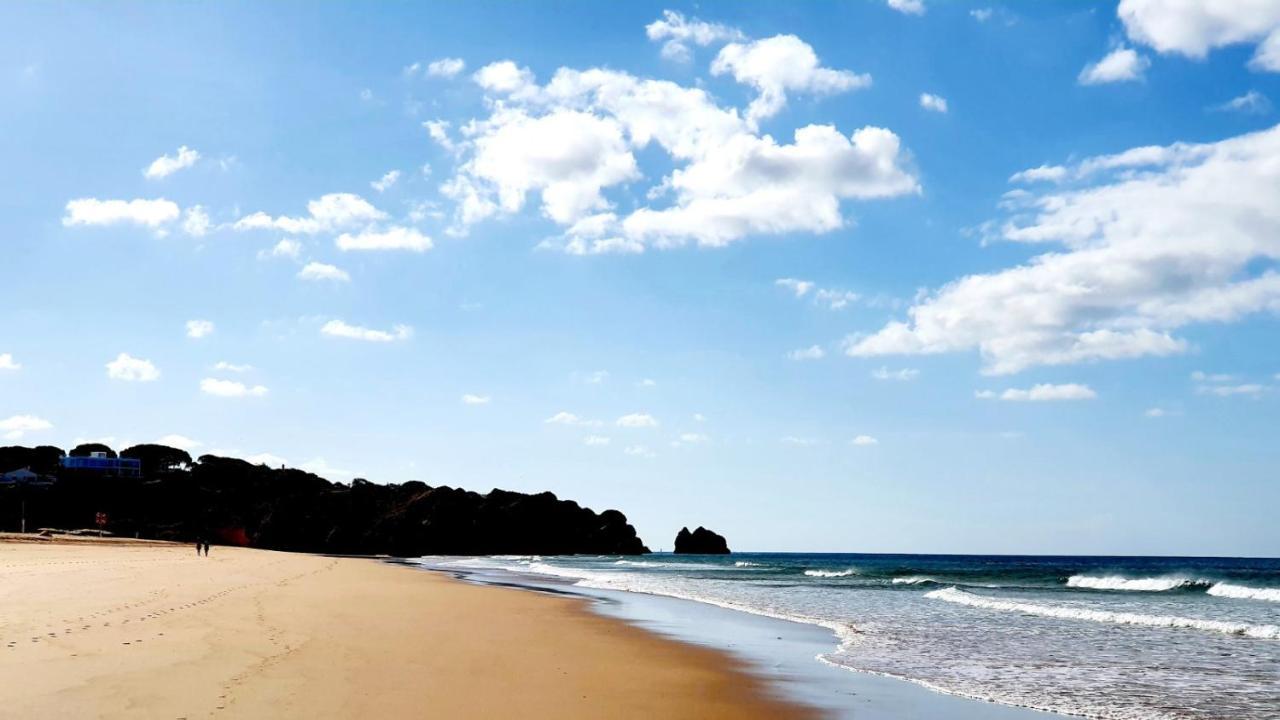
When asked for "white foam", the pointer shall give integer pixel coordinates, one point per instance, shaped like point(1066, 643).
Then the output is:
point(954, 595)
point(913, 580)
point(744, 563)
point(1119, 582)
point(1244, 592)
point(831, 573)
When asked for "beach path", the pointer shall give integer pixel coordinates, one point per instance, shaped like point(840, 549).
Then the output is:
point(133, 630)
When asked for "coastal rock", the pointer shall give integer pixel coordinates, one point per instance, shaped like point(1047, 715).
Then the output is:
point(700, 542)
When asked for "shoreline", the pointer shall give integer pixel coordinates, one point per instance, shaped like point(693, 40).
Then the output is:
point(144, 630)
point(785, 653)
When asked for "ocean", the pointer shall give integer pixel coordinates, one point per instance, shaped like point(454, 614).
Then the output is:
point(1131, 638)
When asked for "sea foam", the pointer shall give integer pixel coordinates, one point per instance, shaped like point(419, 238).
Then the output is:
point(1119, 582)
point(831, 573)
point(960, 597)
point(1244, 592)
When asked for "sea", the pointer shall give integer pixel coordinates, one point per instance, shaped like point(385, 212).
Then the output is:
point(1126, 638)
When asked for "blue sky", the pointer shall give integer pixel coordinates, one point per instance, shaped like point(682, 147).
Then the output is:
point(780, 270)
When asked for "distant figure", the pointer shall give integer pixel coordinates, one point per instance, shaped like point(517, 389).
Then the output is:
point(206, 548)
point(199, 545)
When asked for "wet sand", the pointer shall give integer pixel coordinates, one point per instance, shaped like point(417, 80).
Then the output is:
point(120, 629)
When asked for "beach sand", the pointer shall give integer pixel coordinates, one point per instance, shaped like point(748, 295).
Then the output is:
point(122, 629)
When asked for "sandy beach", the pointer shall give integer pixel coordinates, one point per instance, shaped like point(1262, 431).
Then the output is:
point(121, 629)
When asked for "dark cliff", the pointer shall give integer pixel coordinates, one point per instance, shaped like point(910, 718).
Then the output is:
point(701, 542)
point(233, 501)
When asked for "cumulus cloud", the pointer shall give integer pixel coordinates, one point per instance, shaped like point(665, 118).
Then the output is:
point(933, 103)
point(340, 329)
point(225, 366)
point(1043, 173)
point(470, 399)
point(446, 67)
point(778, 65)
point(799, 287)
point(286, 248)
point(392, 238)
point(884, 373)
point(230, 388)
point(1043, 392)
point(907, 7)
point(1120, 65)
point(864, 440)
point(334, 211)
point(15, 426)
point(982, 14)
point(166, 165)
point(1192, 29)
point(131, 369)
point(1250, 103)
point(596, 440)
point(153, 214)
point(677, 33)
point(181, 442)
point(573, 140)
point(1156, 239)
point(813, 352)
point(831, 298)
point(567, 418)
point(1155, 412)
point(1247, 389)
point(197, 329)
point(639, 451)
point(7, 363)
point(637, 420)
point(385, 182)
point(318, 271)
point(196, 221)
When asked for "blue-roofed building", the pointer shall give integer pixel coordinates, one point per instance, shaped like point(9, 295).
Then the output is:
point(99, 462)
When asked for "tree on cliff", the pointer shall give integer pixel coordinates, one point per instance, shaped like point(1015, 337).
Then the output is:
point(87, 449)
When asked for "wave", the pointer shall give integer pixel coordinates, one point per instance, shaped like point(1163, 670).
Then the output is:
point(831, 573)
point(1244, 592)
point(1119, 582)
point(960, 597)
point(641, 563)
point(913, 580)
point(744, 563)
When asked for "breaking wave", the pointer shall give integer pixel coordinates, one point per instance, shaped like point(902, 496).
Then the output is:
point(831, 573)
point(1119, 582)
point(1244, 592)
point(960, 597)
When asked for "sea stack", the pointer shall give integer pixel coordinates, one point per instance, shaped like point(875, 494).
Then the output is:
point(700, 542)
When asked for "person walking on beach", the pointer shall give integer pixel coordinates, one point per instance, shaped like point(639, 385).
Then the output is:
point(206, 548)
point(199, 545)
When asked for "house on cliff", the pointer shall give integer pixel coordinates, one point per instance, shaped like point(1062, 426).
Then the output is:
point(101, 463)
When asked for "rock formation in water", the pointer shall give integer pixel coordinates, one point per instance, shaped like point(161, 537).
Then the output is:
point(700, 542)
point(237, 502)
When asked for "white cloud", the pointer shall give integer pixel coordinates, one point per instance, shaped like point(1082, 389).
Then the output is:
point(908, 7)
point(982, 14)
point(8, 363)
point(320, 466)
point(321, 271)
point(340, 329)
point(639, 451)
point(1250, 389)
point(690, 438)
point(1202, 376)
point(197, 329)
point(446, 67)
point(933, 103)
point(181, 442)
point(334, 211)
point(799, 441)
point(166, 165)
point(778, 65)
point(132, 369)
point(1043, 392)
point(1193, 29)
point(1250, 103)
point(1155, 412)
point(647, 383)
point(637, 420)
point(1050, 173)
point(225, 366)
point(149, 213)
point(884, 373)
point(196, 223)
point(864, 440)
point(393, 238)
point(439, 132)
point(385, 182)
point(1120, 65)
point(596, 440)
point(285, 248)
point(596, 378)
point(563, 418)
point(799, 287)
point(265, 459)
point(14, 427)
point(677, 32)
point(1160, 238)
point(699, 417)
point(573, 139)
point(835, 299)
point(470, 399)
point(813, 352)
point(507, 78)
point(230, 388)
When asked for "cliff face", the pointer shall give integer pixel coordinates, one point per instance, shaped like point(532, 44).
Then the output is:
point(701, 542)
point(233, 501)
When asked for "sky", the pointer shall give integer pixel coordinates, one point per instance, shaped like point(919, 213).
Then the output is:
point(900, 276)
